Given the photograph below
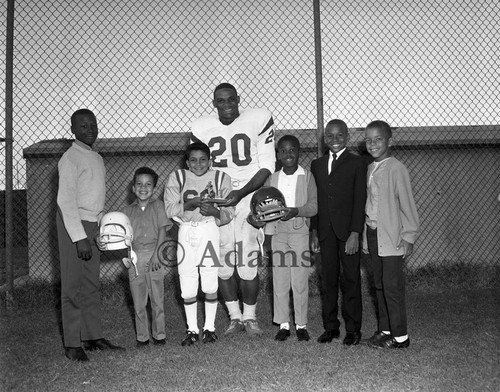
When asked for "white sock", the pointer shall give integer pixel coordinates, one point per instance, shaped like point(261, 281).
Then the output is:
point(249, 311)
point(192, 316)
point(386, 332)
point(234, 310)
point(210, 311)
point(400, 339)
point(285, 326)
point(297, 326)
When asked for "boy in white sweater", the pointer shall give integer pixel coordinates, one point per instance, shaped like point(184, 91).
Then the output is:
point(80, 202)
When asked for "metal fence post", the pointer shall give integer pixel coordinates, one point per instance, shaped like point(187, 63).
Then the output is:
point(8, 154)
point(319, 74)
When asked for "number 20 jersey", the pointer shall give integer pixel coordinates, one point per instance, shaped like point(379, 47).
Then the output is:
point(241, 148)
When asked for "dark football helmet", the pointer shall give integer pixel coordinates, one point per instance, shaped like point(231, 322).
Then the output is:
point(268, 204)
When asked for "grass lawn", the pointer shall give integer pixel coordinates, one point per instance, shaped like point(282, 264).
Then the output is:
point(454, 347)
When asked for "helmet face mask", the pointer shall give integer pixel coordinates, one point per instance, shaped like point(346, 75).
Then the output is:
point(268, 204)
point(115, 231)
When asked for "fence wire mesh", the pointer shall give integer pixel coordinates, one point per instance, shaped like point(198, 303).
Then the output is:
point(147, 68)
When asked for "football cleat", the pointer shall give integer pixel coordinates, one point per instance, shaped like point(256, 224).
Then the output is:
point(252, 327)
point(235, 326)
point(190, 339)
point(209, 336)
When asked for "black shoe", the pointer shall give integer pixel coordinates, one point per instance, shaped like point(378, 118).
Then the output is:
point(282, 335)
point(190, 339)
point(76, 354)
point(390, 342)
point(159, 342)
point(209, 336)
point(329, 335)
point(376, 338)
point(100, 344)
point(352, 338)
point(302, 335)
point(143, 344)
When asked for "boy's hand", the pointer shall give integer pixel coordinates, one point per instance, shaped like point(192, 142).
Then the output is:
point(192, 204)
point(314, 241)
point(208, 209)
point(254, 222)
point(352, 243)
point(154, 264)
point(290, 213)
point(84, 249)
point(99, 244)
point(407, 248)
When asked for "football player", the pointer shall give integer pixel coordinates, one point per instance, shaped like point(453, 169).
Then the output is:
point(242, 146)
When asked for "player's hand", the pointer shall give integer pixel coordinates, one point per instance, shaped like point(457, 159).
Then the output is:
point(314, 241)
point(208, 209)
point(233, 198)
point(352, 243)
point(407, 248)
point(192, 204)
point(83, 249)
point(291, 212)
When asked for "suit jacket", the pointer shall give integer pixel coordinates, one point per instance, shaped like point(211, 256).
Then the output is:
point(341, 195)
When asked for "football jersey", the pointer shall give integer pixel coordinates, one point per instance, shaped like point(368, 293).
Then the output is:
point(183, 185)
point(241, 148)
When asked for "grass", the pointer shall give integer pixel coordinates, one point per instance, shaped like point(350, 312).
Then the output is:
point(454, 347)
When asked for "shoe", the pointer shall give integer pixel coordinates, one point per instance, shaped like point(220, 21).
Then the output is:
point(190, 339)
point(302, 335)
point(100, 344)
point(375, 338)
point(235, 326)
point(329, 335)
point(352, 338)
point(140, 344)
point(390, 342)
point(252, 327)
point(76, 354)
point(282, 335)
point(159, 342)
point(209, 336)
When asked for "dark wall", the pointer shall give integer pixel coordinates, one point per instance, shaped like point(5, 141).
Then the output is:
point(20, 219)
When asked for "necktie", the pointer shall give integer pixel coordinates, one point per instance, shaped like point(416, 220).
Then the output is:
point(334, 161)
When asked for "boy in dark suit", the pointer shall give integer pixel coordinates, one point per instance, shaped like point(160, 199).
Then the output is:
point(341, 181)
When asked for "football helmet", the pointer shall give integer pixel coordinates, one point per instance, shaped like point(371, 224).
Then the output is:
point(115, 232)
point(268, 204)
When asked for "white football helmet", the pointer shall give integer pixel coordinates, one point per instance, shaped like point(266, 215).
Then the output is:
point(115, 232)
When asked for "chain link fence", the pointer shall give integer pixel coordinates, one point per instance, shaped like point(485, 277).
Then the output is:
point(147, 68)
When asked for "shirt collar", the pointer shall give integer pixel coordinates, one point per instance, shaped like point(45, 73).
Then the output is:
point(300, 171)
point(82, 145)
point(337, 155)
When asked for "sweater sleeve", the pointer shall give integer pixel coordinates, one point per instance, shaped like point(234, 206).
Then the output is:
point(408, 210)
point(311, 207)
point(67, 199)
